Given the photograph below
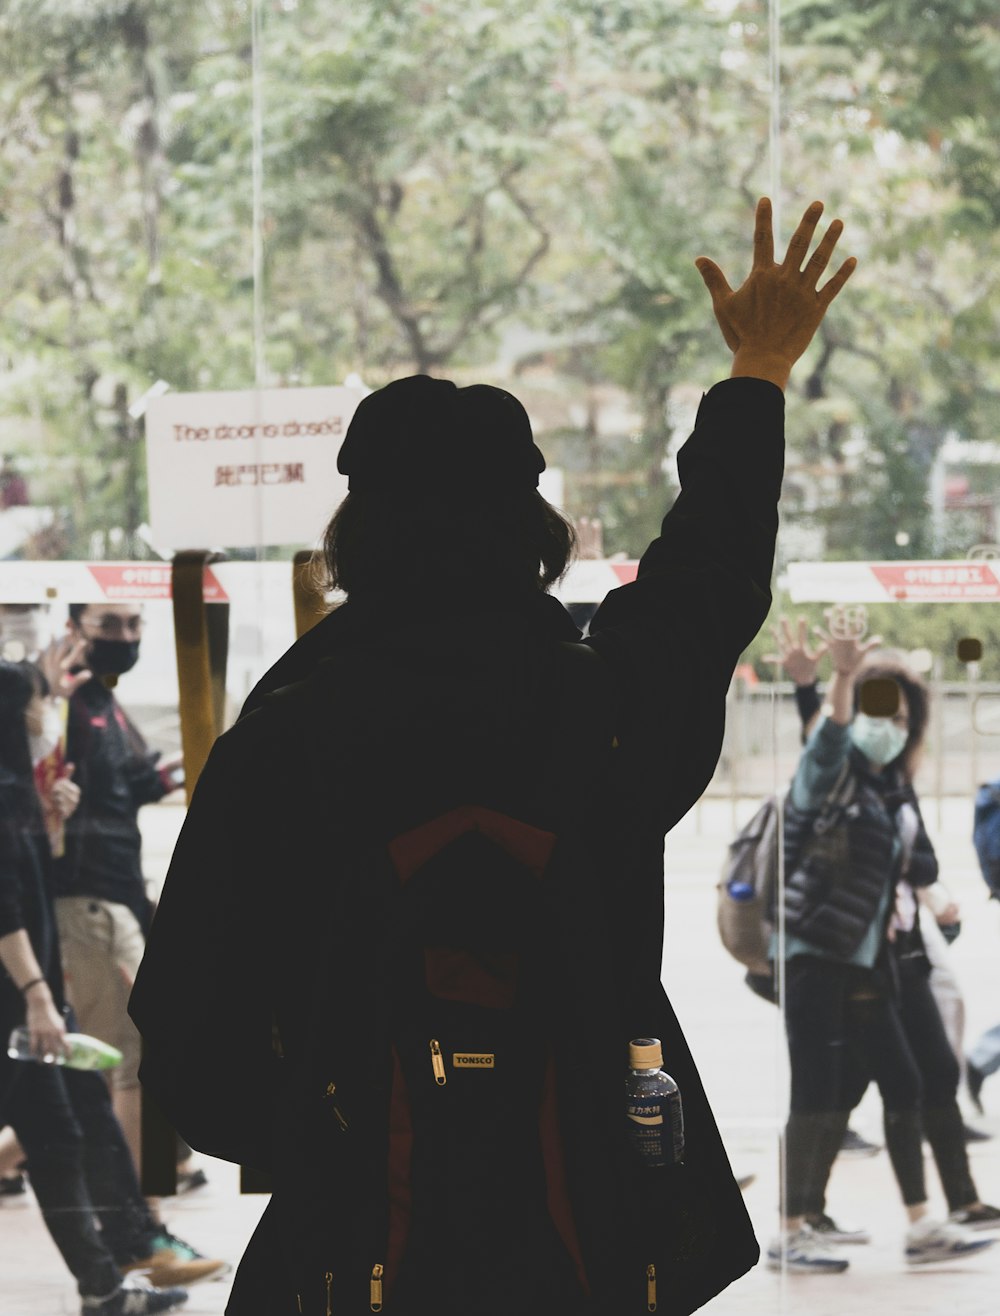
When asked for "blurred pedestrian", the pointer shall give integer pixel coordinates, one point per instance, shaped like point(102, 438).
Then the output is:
point(858, 1001)
point(77, 1159)
point(102, 908)
point(984, 1058)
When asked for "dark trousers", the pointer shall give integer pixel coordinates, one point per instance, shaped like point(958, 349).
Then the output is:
point(845, 1027)
point(80, 1167)
point(904, 1045)
point(827, 1076)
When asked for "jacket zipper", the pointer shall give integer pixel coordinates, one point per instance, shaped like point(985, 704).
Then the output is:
point(437, 1061)
point(331, 1088)
point(376, 1287)
point(651, 1287)
point(329, 1281)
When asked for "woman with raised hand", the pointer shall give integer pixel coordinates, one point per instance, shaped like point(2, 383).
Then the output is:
point(858, 1002)
point(427, 698)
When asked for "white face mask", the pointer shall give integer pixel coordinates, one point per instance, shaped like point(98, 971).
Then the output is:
point(43, 745)
point(878, 738)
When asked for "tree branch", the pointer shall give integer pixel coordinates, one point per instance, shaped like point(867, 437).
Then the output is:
point(480, 315)
point(389, 286)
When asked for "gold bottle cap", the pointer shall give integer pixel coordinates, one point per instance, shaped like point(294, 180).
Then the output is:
point(645, 1053)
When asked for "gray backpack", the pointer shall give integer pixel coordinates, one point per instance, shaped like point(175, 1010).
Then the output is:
point(745, 891)
point(748, 886)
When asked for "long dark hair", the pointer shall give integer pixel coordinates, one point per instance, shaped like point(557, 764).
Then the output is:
point(19, 683)
point(409, 542)
point(887, 664)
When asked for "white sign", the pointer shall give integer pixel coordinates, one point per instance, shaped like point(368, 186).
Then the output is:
point(946, 581)
point(248, 468)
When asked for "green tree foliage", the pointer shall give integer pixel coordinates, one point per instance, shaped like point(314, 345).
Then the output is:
point(511, 191)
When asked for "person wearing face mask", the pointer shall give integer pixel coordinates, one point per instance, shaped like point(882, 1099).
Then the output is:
point(858, 1003)
point(102, 909)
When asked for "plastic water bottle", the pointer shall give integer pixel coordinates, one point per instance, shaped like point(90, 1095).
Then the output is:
point(737, 890)
point(85, 1052)
point(653, 1106)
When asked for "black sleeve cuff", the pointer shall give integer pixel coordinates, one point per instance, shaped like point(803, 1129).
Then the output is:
point(807, 700)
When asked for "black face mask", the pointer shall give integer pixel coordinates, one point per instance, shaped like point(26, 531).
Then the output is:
point(112, 657)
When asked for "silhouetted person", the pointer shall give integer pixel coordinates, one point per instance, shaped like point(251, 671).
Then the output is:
point(427, 698)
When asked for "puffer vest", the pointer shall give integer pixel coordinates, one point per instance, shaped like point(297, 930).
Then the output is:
point(836, 881)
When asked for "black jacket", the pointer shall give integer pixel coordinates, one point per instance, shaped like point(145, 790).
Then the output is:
point(25, 894)
point(420, 687)
point(835, 885)
point(117, 775)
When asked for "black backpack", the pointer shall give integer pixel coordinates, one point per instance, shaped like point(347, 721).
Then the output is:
point(474, 1088)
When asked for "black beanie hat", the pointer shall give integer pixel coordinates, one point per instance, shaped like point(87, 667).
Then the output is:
point(427, 433)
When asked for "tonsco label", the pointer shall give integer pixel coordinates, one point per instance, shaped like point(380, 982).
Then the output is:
point(473, 1059)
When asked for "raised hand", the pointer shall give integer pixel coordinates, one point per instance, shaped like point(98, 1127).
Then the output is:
point(771, 318)
point(799, 661)
point(846, 653)
point(56, 662)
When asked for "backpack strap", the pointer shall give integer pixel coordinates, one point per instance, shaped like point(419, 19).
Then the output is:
point(840, 796)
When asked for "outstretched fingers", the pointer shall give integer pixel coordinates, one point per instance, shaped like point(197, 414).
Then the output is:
point(820, 258)
point(829, 290)
point(802, 237)
point(715, 281)
point(763, 236)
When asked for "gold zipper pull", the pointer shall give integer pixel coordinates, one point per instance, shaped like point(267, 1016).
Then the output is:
point(376, 1287)
point(651, 1287)
point(331, 1088)
point(437, 1060)
point(329, 1281)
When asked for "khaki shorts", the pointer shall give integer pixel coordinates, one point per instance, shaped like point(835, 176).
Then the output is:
point(101, 944)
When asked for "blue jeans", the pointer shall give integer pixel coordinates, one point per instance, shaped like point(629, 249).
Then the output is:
point(80, 1166)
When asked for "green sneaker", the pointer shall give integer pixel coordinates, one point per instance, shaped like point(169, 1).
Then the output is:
point(193, 1265)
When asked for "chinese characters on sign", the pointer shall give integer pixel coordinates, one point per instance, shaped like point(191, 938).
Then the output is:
point(905, 582)
point(938, 581)
point(271, 473)
point(245, 469)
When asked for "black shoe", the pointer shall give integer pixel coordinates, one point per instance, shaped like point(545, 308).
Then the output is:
point(833, 1233)
point(188, 1181)
point(976, 1135)
point(977, 1217)
point(852, 1144)
point(135, 1296)
point(974, 1080)
point(12, 1185)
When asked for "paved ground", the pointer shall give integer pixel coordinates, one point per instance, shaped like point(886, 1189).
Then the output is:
point(738, 1044)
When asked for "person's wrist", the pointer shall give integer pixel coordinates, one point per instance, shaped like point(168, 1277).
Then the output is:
point(38, 990)
point(753, 363)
